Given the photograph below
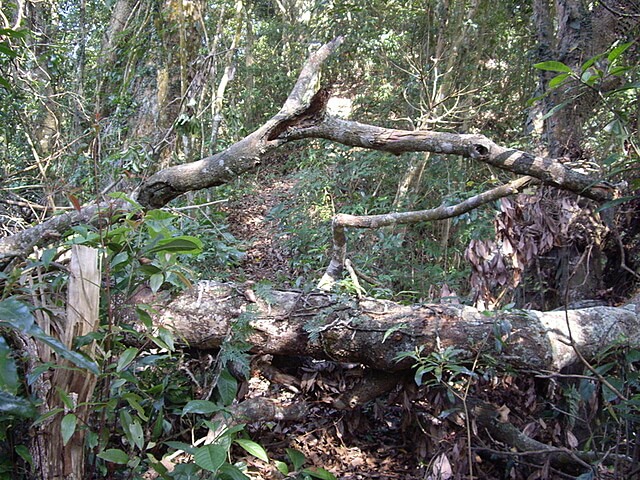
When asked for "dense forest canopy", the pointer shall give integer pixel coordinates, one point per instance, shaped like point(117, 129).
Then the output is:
point(178, 178)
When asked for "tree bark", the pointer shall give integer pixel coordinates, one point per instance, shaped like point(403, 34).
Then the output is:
point(374, 332)
point(301, 119)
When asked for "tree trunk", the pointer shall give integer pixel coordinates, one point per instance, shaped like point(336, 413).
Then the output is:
point(374, 332)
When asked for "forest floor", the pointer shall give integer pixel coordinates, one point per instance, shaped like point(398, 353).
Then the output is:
point(366, 443)
point(406, 433)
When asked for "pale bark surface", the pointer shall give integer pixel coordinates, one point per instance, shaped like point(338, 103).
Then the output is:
point(374, 332)
point(300, 119)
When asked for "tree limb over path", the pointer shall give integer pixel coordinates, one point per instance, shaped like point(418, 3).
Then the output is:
point(301, 118)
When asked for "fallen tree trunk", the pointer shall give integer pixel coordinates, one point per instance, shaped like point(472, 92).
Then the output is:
point(375, 332)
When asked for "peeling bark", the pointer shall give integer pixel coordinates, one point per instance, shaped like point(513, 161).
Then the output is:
point(374, 332)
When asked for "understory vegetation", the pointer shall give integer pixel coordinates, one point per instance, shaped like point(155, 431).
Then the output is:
point(98, 97)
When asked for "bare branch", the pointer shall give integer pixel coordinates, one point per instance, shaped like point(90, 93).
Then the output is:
point(477, 147)
point(340, 221)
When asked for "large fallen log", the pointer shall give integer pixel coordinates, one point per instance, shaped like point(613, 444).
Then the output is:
point(374, 332)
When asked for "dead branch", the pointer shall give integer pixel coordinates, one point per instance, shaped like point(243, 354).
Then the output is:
point(340, 221)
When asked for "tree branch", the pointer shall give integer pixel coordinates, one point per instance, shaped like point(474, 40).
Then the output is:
point(340, 221)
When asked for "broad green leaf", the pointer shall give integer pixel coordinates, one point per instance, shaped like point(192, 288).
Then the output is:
point(5, 83)
point(16, 406)
point(590, 62)
point(8, 371)
point(24, 453)
point(11, 33)
point(554, 110)
point(183, 244)
point(393, 329)
point(137, 434)
point(45, 416)
point(74, 357)
point(144, 314)
point(211, 457)
point(253, 448)
point(164, 339)
point(618, 71)
point(126, 358)
point(156, 281)
point(233, 472)
point(201, 407)
point(320, 473)
point(122, 257)
point(134, 401)
point(7, 50)
point(125, 423)
point(297, 458)
point(227, 387)
point(553, 66)
point(114, 455)
point(16, 315)
point(282, 467)
point(558, 80)
point(615, 202)
point(619, 50)
point(68, 427)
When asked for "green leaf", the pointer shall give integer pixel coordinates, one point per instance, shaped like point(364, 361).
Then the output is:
point(554, 110)
point(164, 339)
point(65, 398)
point(45, 416)
point(16, 315)
point(114, 455)
point(68, 427)
point(297, 458)
point(553, 66)
point(558, 80)
point(618, 71)
point(16, 406)
point(615, 202)
point(11, 33)
point(5, 83)
point(590, 62)
point(24, 453)
point(137, 434)
point(9, 380)
point(134, 401)
point(628, 86)
point(320, 473)
point(619, 50)
point(282, 467)
point(211, 457)
point(227, 387)
point(393, 329)
point(183, 244)
point(126, 358)
point(253, 448)
point(233, 472)
point(122, 257)
point(201, 407)
point(7, 50)
point(74, 357)
point(156, 281)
